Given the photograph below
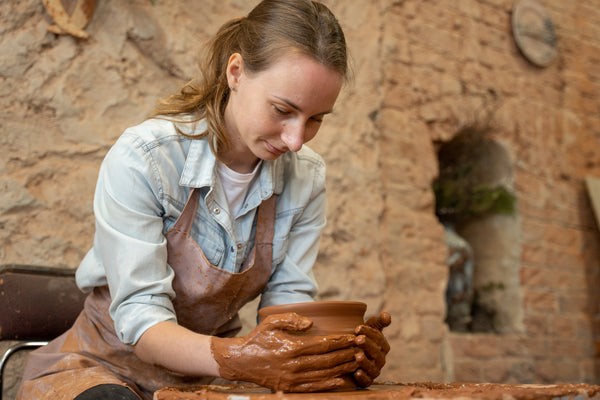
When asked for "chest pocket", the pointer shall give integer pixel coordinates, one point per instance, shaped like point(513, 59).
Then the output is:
point(213, 250)
point(209, 239)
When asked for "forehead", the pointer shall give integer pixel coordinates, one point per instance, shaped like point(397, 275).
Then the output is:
point(295, 60)
point(301, 79)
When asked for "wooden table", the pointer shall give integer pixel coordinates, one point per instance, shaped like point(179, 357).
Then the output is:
point(392, 391)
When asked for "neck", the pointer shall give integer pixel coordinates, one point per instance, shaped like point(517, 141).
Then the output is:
point(239, 161)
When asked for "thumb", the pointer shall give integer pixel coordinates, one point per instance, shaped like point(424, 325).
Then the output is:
point(381, 321)
point(287, 321)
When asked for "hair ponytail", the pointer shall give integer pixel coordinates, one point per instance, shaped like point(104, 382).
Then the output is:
point(206, 97)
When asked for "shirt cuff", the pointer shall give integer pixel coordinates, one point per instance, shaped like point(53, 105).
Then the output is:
point(137, 315)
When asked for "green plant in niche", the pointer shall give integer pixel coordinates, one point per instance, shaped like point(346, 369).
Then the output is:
point(460, 192)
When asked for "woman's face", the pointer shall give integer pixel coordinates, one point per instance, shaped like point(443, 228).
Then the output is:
point(276, 110)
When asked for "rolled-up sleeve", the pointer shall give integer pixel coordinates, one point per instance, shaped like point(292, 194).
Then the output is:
point(129, 243)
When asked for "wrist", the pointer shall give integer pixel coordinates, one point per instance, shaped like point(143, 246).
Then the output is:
point(226, 354)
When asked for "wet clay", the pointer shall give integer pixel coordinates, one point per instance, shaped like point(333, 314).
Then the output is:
point(390, 391)
point(277, 355)
point(328, 317)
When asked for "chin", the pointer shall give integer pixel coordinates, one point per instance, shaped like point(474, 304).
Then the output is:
point(269, 156)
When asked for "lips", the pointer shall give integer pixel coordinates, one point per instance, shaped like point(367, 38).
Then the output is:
point(274, 150)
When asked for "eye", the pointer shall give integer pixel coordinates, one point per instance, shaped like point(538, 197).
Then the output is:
point(280, 111)
point(317, 119)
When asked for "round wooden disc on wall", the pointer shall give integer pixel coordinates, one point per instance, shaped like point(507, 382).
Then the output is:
point(534, 32)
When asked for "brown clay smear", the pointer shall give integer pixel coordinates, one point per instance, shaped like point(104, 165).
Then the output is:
point(480, 391)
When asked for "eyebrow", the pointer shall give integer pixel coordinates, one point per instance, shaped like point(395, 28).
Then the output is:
point(297, 108)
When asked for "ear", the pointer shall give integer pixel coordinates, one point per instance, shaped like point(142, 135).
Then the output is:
point(235, 69)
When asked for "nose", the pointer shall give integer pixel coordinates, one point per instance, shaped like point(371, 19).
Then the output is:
point(293, 136)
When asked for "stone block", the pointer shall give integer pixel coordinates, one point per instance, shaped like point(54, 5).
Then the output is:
point(563, 327)
point(468, 371)
point(536, 325)
point(536, 300)
point(476, 346)
point(575, 303)
point(532, 255)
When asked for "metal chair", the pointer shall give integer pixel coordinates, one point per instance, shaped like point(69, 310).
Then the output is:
point(37, 304)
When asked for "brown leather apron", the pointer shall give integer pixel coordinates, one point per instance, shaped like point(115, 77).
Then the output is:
point(207, 301)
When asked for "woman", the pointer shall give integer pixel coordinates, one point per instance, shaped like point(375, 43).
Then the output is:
point(202, 208)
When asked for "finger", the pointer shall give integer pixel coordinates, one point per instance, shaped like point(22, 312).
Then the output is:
point(286, 321)
point(325, 373)
point(362, 379)
point(320, 361)
point(374, 352)
point(312, 345)
point(375, 336)
point(381, 321)
point(321, 386)
point(367, 366)
point(327, 379)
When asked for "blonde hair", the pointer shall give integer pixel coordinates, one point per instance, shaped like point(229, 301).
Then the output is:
point(271, 29)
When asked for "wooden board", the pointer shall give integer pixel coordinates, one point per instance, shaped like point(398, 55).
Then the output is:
point(392, 391)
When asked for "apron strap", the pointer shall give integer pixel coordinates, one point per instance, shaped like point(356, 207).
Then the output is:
point(266, 221)
point(186, 220)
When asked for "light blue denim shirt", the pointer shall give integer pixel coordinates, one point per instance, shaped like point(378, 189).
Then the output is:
point(143, 184)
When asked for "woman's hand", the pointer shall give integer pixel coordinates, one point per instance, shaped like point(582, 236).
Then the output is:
point(274, 355)
point(373, 349)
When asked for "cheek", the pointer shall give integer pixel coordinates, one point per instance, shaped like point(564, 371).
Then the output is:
point(267, 123)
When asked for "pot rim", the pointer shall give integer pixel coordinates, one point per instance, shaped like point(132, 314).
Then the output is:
point(314, 307)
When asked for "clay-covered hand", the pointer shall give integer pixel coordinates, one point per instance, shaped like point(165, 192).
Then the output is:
point(276, 356)
point(373, 348)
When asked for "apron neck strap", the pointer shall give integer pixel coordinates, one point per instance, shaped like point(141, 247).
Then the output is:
point(265, 222)
point(186, 219)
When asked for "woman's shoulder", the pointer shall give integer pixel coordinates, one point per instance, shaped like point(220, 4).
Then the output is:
point(156, 138)
point(156, 129)
point(164, 128)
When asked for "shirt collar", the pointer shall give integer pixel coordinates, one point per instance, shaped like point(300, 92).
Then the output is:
point(199, 169)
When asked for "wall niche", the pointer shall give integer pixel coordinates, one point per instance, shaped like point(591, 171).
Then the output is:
point(475, 203)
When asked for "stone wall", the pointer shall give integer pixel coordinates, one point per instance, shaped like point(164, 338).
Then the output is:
point(423, 69)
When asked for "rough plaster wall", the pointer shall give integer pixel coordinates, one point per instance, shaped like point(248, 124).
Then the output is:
point(423, 69)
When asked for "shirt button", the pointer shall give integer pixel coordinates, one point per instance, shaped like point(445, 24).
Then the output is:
point(217, 211)
point(239, 246)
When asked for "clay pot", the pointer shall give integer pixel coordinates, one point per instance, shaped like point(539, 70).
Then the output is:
point(329, 317)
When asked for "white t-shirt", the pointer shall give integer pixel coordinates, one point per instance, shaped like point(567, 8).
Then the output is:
point(235, 185)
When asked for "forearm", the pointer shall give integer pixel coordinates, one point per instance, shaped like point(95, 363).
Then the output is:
point(177, 349)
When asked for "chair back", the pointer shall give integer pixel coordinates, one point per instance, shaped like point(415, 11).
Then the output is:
point(37, 303)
